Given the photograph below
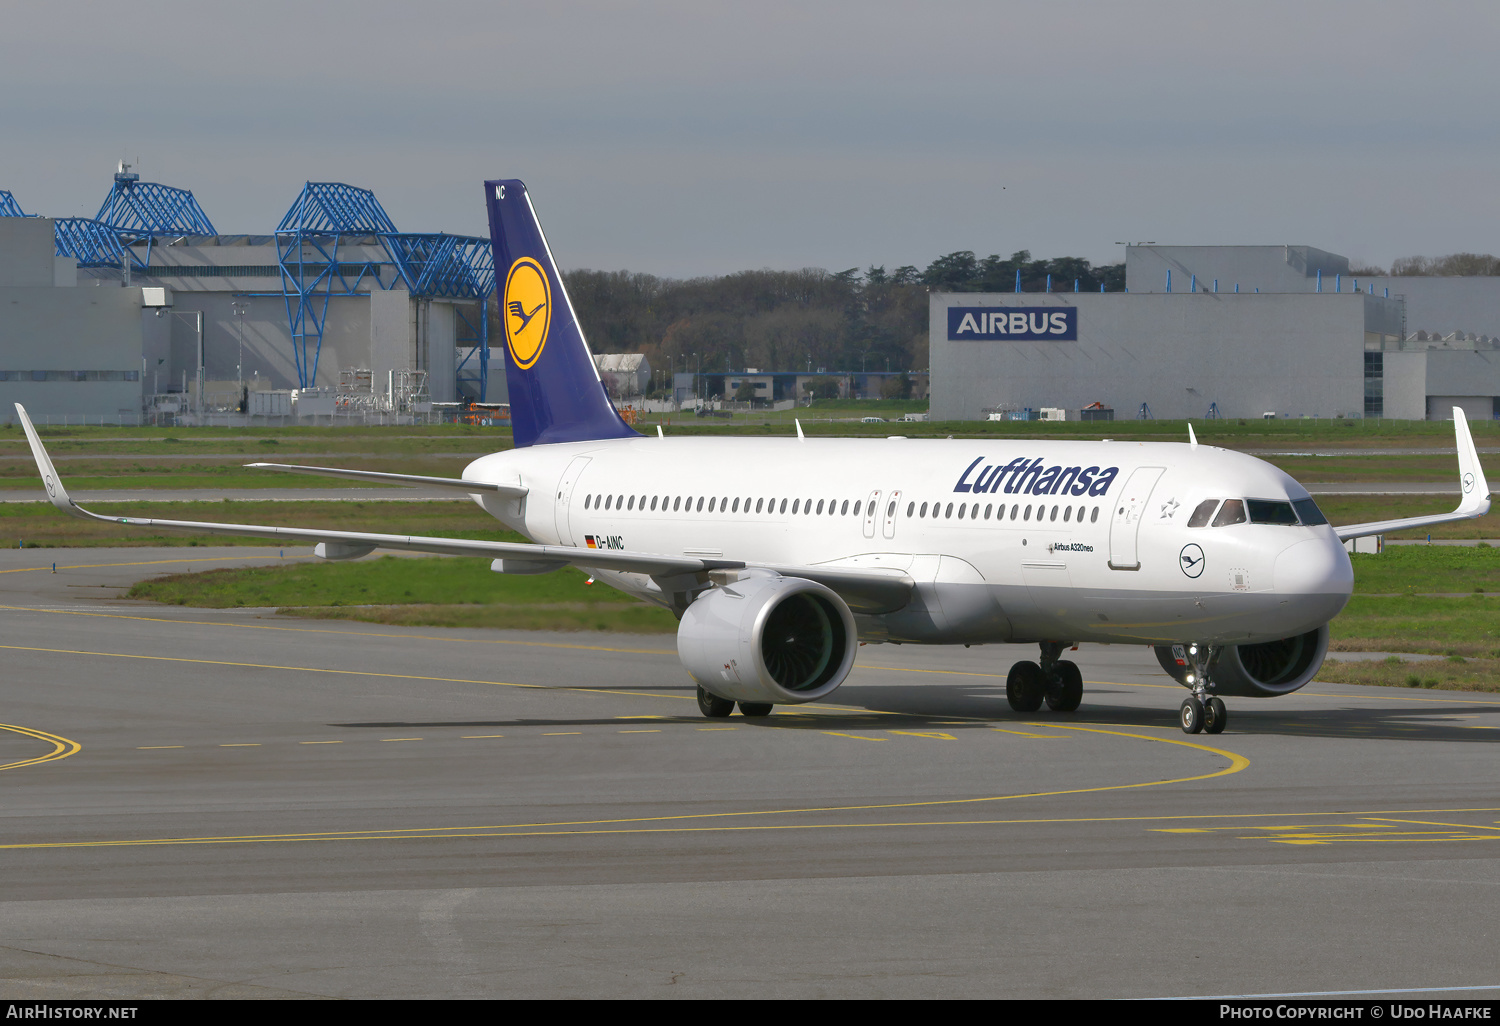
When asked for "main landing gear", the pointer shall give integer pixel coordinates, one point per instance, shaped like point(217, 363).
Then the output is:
point(1055, 681)
point(714, 707)
point(1201, 711)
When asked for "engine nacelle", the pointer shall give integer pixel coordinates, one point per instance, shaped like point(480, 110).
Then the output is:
point(767, 638)
point(1262, 670)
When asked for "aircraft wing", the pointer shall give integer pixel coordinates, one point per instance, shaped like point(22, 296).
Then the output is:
point(1474, 491)
point(457, 484)
point(864, 590)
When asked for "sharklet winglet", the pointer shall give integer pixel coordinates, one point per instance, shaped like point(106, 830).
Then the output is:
point(1474, 491)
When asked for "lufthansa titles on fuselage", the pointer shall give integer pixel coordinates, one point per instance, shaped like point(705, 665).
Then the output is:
point(1022, 476)
point(1013, 323)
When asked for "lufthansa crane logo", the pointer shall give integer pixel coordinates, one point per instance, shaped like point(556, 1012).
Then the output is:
point(528, 311)
point(1468, 483)
point(1190, 559)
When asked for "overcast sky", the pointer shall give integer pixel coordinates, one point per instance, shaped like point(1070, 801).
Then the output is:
point(703, 138)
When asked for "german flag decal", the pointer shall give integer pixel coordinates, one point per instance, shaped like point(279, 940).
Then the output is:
point(589, 541)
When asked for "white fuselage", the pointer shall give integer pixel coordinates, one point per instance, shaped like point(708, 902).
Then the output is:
point(1007, 540)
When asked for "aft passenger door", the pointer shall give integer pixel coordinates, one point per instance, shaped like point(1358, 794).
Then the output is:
point(565, 497)
point(1126, 523)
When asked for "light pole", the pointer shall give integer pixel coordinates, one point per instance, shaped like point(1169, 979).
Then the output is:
point(240, 308)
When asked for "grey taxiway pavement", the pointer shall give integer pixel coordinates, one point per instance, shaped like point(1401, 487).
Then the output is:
point(229, 803)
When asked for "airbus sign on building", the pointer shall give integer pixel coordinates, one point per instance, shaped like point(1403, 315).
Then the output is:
point(1180, 354)
point(1016, 324)
point(1233, 331)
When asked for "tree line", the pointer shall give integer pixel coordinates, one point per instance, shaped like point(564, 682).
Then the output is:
point(839, 321)
point(1454, 265)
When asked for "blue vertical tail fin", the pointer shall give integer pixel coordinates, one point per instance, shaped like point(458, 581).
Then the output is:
point(555, 391)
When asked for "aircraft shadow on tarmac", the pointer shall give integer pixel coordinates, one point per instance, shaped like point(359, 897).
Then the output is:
point(959, 707)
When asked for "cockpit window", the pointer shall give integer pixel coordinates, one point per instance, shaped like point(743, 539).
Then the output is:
point(1308, 512)
point(1267, 511)
point(1232, 512)
point(1204, 513)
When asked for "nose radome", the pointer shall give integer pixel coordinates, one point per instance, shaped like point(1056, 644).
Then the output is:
point(1317, 566)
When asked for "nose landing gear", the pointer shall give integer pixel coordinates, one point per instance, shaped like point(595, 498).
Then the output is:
point(1058, 682)
point(1201, 711)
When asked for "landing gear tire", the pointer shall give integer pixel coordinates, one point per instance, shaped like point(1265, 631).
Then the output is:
point(712, 706)
point(1215, 716)
point(1025, 687)
point(755, 708)
point(1191, 715)
point(1065, 690)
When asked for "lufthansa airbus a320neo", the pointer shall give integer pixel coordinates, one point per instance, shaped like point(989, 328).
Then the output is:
point(780, 555)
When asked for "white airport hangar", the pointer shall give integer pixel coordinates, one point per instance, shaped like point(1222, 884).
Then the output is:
point(1231, 331)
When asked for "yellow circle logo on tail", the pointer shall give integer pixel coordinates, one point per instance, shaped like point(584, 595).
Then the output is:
point(527, 311)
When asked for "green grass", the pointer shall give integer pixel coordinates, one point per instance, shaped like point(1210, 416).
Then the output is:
point(1456, 673)
point(1407, 623)
point(443, 592)
point(167, 458)
point(836, 416)
point(1422, 569)
point(464, 592)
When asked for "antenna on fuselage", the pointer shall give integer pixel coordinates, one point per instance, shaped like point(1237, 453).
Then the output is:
point(800, 436)
point(1192, 438)
point(659, 432)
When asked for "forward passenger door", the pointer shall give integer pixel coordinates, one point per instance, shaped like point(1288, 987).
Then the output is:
point(1125, 526)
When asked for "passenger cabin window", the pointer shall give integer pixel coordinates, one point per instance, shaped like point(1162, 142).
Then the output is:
point(1268, 511)
point(1232, 512)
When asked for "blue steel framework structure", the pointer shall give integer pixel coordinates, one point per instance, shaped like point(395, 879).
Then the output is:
point(307, 248)
point(432, 265)
point(96, 244)
point(429, 265)
point(134, 212)
point(452, 267)
point(146, 208)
